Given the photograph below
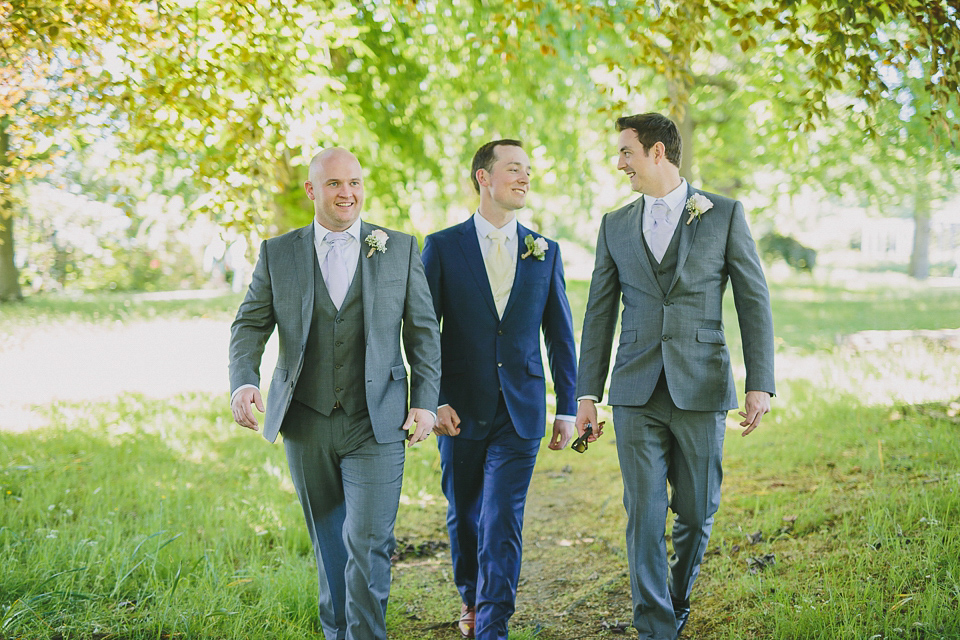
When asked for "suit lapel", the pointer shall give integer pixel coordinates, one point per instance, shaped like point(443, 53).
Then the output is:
point(687, 233)
point(474, 261)
point(305, 255)
point(523, 269)
point(369, 272)
point(639, 246)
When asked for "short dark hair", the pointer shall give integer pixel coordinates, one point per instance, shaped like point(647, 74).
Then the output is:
point(486, 155)
point(652, 128)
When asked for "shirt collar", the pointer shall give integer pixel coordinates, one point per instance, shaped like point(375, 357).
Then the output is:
point(674, 201)
point(484, 227)
point(321, 232)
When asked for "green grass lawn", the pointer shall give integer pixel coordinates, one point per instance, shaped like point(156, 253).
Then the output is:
point(145, 518)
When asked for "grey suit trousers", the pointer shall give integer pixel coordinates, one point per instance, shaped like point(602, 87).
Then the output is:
point(349, 487)
point(657, 443)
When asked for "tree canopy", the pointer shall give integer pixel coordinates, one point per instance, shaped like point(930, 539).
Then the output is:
point(229, 98)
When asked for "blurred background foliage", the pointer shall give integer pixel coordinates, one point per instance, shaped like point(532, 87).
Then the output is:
point(149, 144)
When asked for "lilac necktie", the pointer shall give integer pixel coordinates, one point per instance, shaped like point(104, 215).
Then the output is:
point(659, 236)
point(334, 267)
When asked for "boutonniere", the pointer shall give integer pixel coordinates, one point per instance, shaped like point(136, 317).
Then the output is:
point(377, 241)
point(697, 205)
point(536, 248)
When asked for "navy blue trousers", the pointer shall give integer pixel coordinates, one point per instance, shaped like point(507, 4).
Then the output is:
point(485, 482)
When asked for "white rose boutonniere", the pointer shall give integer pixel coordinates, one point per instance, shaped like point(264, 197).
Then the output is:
point(536, 248)
point(377, 241)
point(697, 205)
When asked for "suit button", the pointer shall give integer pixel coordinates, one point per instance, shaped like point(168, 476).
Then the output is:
point(339, 389)
point(665, 338)
point(499, 364)
point(499, 332)
point(666, 302)
point(338, 366)
point(339, 344)
point(661, 272)
point(339, 320)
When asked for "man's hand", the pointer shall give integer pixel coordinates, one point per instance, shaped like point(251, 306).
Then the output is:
point(448, 422)
point(562, 434)
point(242, 413)
point(756, 404)
point(424, 421)
point(587, 414)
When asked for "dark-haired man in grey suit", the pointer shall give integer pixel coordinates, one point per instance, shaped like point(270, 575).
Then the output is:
point(668, 256)
point(341, 294)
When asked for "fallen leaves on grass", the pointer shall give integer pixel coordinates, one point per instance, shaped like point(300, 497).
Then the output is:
point(615, 626)
point(407, 549)
point(756, 564)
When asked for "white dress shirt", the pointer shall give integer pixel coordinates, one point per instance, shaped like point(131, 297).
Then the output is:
point(674, 201)
point(350, 251)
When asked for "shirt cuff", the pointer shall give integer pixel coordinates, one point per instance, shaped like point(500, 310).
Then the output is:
point(239, 389)
point(566, 418)
point(594, 398)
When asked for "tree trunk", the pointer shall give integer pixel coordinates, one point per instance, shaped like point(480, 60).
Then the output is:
point(685, 125)
point(9, 276)
point(920, 255)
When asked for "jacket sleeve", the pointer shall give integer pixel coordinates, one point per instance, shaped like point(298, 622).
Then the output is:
point(752, 299)
point(558, 338)
point(599, 320)
point(252, 327)
point(421, 336)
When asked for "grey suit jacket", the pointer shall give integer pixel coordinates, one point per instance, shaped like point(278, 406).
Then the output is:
point(679, 331)
point(396, 302)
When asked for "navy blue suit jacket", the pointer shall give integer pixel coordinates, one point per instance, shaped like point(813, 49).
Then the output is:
point(480, 353)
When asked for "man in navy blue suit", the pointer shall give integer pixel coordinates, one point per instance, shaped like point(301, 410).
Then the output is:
point(495, 283)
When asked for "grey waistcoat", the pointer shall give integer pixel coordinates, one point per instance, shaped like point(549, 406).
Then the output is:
point(668, 267)
point(334, 357)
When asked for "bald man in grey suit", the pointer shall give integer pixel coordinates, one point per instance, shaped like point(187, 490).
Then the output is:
point(668, 256)
point(342, 293)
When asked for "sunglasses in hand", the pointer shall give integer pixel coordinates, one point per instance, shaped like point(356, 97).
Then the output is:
point(580, 444)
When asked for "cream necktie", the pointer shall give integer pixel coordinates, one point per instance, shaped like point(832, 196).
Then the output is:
point(659, 236)
point(500, 269)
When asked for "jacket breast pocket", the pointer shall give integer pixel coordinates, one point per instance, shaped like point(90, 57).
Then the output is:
point(391, 279)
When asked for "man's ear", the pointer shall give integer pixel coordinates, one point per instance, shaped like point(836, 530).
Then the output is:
point(308, 187)
point(483, 178)
point(659, 151)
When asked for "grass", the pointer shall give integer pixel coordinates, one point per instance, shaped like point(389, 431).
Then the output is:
point(146, 518)
point(121, 307)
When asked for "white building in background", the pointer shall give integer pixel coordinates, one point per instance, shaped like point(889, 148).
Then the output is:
point(887, 239)
point(891, 239)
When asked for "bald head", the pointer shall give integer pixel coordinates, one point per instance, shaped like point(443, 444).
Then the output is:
point(335, 185)
point(333, 154)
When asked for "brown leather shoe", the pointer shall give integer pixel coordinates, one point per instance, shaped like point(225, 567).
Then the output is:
point(468, 620)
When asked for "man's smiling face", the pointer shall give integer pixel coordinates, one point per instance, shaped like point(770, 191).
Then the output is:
point(509, 178)
point(635, 161)
point(336, 188)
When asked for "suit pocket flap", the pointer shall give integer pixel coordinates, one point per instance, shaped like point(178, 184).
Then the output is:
point(713, 336)
point(280, 375)
point(628, 336)
point(535, 368)
point(398, 372)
